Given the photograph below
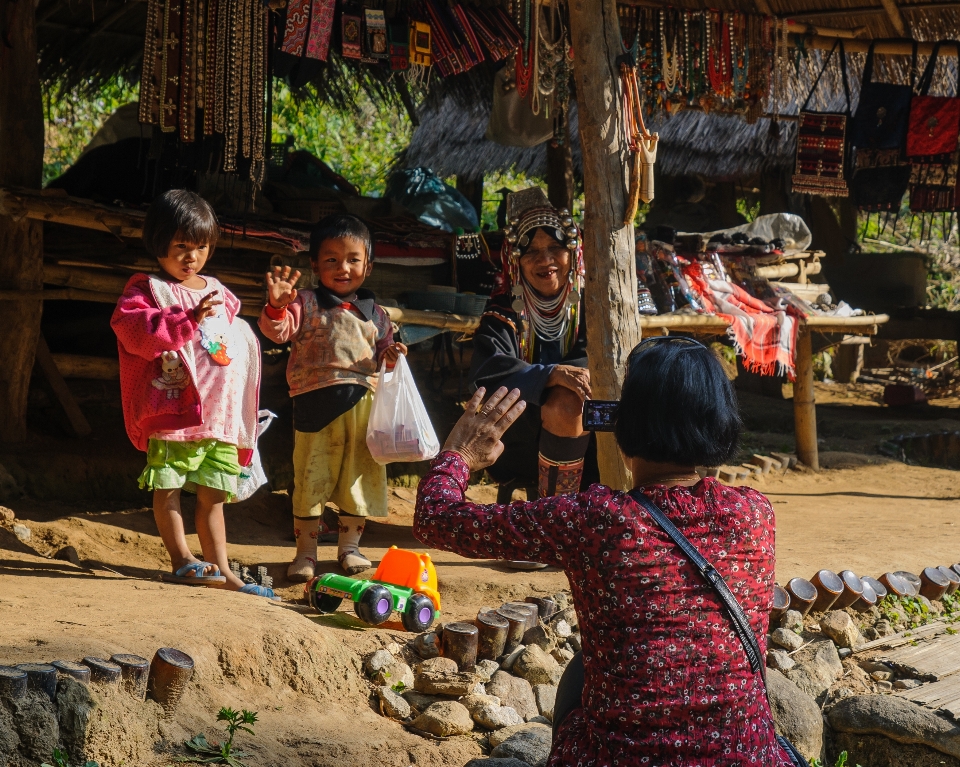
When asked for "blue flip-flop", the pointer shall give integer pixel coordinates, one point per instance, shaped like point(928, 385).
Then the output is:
point(197, 579)
point(259, 591)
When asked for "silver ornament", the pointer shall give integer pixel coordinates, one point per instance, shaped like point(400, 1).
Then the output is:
point(518, 305)
point(566, 221)
point(573, 298)
point(571, 232)
point(564, 212)
point(572, 244)
point(517, 290)
point(512, 238)
point(516, 253)
point(514, 221)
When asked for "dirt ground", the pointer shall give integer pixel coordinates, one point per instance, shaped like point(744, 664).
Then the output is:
point(302, 672)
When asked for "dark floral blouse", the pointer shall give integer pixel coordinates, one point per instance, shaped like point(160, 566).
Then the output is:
point(667, 680)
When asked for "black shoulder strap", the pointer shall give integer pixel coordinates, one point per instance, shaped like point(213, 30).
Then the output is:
point(843, 74)
point(739, 619)
point(868, 66)
point(926, 79)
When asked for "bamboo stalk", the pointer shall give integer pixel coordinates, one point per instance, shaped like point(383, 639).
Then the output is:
point(862, 45)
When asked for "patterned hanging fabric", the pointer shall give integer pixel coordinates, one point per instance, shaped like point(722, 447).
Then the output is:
point(399, 36)
point(375, 34)
point(295, 33)
point(321, 28)
point(351, 26)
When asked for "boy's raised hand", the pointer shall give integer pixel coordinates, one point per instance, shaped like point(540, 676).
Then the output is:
point(392, 353)
point(280, 286)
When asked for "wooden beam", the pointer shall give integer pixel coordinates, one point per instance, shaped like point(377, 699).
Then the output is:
point(873, 10)
point(801, 28)
point(62, 395)
point(610, 294)
point(893, 13)
point(21, 242)
point(804, 404)
point(82, 366)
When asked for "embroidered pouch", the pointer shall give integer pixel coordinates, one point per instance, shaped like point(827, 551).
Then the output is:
point(934, 120)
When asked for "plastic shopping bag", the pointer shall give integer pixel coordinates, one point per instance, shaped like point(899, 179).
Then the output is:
point(399, 428)
point(252, 477)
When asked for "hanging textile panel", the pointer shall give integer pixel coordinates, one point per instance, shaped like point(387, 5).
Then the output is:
point(934, 120)
point(821, 141)
point(321, 28)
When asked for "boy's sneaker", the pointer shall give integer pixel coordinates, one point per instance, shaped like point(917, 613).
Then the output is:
point(301, 569)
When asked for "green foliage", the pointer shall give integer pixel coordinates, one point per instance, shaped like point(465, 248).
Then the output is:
point(60, 759)
point(71, 120)
point(748, 211)
point(205, 752)
point(841, 761)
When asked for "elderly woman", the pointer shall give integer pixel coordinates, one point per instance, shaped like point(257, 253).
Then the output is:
point(665, 679)
point(532, 337)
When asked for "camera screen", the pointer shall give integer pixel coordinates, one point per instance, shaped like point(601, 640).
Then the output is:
point(600, 415)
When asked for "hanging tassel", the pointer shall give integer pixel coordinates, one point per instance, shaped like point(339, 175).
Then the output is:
point(640, 142)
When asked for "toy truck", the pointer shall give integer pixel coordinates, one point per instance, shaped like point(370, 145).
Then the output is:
point(405, 581)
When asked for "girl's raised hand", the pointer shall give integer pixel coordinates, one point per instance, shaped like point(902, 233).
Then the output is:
point(206, 307)
point(280, 286)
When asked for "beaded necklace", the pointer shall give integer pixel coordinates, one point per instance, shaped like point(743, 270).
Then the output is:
point(740, 56)
point(718, 54)
point(671, 63)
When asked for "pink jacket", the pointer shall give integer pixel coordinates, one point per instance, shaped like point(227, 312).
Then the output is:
point(144, 332)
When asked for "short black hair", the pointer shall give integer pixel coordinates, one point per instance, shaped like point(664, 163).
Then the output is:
point(340, 225)
point(677, 405)
point(182, 212)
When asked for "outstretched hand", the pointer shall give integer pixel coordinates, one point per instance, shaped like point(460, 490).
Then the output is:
point(280, 286)
point(206, 307)
point(476, 436)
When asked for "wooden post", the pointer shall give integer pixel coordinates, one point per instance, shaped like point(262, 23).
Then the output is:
point(804, 403)
point(613, 323)
point(560, 170)
point(21, 242)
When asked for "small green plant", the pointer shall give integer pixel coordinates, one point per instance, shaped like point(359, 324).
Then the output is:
point(399, 687)
point(841, 761)
point(60, 759)
point(205, 752)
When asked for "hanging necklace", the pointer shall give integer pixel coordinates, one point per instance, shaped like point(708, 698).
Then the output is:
point(671, 67)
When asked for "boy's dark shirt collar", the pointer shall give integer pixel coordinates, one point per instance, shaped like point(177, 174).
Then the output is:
point(363, 300)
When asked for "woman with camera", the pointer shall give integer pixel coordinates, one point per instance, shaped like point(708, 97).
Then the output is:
point(665, 678)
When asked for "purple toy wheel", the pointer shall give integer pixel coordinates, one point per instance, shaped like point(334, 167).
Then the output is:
point(425, 614)
point(383, 606)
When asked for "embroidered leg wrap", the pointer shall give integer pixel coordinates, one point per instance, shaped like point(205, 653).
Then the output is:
point(305, 530)
point(348, 545)
point(560, 463)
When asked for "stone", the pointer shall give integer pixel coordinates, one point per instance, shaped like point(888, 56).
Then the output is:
point(444, 719)
point(9, 489)
point(546, 697)
point(897, 613)
point(789, 640)
point(486, 669)
point(884, 686)
point(511, 657)
point(884, 628)
point(498, 737)
point(444, 682)
point(6, 515)
point(839, 626)
point(561, 600)
point(397, 673)
point(924, 601)
point(9, 740)
point(478, 689)
point(392, 704)
point(37, 725)
point(473, 702)
point(871, 665)
point(562, 629)
point(844, 652)
point(907, 684)
point(575, 641)
point(796, 715)
point(530, 746)
point(563, 655)
point(870, 634)
point(421, 701)
point(540, 719)
point(509, 762)
point(378, 661)
point(537, 667)
point(897, 719)
point(68, 554)
point(493, 717)
point(791, 620)
point(22, 532)
point(445, 665)
point(427, 645)
point(881, 676)
point(779, 660)
point(817, 667)
point(514, 692)
point(540, 636)
point(568, 616)
point(393, 648)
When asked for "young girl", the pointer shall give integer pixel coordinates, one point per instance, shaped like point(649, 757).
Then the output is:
point(189, 381)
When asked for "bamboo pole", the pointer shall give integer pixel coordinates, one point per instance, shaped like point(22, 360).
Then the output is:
point(610, 294)
point(862, 45)
point(804, 403)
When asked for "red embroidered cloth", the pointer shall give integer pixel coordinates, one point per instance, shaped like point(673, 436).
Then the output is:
point(667, 681)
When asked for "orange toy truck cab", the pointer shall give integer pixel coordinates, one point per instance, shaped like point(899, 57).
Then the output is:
point(402, 567)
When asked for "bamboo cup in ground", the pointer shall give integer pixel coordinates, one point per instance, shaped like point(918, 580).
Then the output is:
point(956, 568)
point(103, 671)
point(460, 641)
point(933, 583)
point(894, 584)
point(13, 683)
point(781, 602)
point(518, 626)
point(802, 595)
point(829, 588)
point(170, 672)
point(879, 589)
point(852, 590)
point(545, 606)
point(73, 670)
point(491, 635)
point(951, 576)
point(134, 671)
point(912, 579)
point(41, 677)
point(868, 597)
point(529, 610)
